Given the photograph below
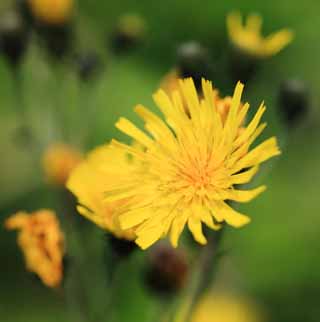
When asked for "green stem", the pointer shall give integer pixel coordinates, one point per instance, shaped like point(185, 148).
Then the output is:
point(78, 294)
point(203, 274)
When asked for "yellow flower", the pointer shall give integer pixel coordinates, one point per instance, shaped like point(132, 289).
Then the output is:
point(53, 12)
point(42, 243)
point(225, 308)
point(188, 166)
point(248, 37)
point(88, 182)
point(132, 25)
point(58, 161)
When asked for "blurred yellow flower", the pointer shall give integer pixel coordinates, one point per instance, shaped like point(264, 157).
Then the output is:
point(42, 243)
point(58, 161)
point(248, 38)
point(225, 308)
point(188, 166)
point(54, 12)
point(132, 24)
point(88, 182)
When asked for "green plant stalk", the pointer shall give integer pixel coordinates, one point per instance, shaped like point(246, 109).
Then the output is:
point(202, 275)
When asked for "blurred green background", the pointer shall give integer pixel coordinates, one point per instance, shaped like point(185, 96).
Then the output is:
point(275, 259)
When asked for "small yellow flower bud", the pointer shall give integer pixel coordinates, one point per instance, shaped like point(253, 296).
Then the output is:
point(58, 161)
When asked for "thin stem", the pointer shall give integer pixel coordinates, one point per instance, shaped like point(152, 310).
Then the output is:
point(78, 289)
point(201, 277)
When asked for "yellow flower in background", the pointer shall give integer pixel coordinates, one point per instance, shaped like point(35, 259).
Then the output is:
point(42, 243)
point(88, 182)
point(188, 166)
point(58, 161)
point(225, 308)
point(52, 12)
point(248, 38)
point(131, 24)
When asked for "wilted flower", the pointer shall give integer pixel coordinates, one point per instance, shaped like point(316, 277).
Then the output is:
point(225, 308)
point(88, 182)
point(188, 166)
point(42, 243)
point(58, 161)
point(248, 38)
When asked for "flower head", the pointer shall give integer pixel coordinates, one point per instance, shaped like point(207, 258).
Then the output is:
point(186, 170)
point(88, 182)
point(42, 243)
point(225, 308)
point(58, 161)
point(248, 38)
point(51, 12)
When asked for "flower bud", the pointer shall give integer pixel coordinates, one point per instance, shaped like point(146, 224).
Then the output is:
point(121, 248)
point(294, 102)
point(88, 65)
point(56, 39)
point(58, 161)
point(128, 33)
point(13, 37)
point(193, 61)
point(243, 65)
point(167, 269)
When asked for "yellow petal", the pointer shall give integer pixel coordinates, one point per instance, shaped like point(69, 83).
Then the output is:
point(194, 225)
point(277, 41)
point(244, 177)
point(177, 228)
point(244, 195)
point(133, 218)
point(130, 129)
point(148, 237)
point(261, 153)
point(231, 216)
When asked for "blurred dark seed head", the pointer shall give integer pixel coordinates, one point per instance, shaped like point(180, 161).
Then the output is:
point(294, 101)
point(14, 36)
point(193, 60)
point(128, 34)
point(88, 65)
point(242, 65)
point(58, 40)
point(121, 248)
point(167, 269)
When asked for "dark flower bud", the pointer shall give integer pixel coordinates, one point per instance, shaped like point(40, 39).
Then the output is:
point(13, 37)
point(193, 61)
point(167, 269)
point(57, 39)
point(128, 33)
point(243, 65)
point(121, 248)
point(23, 9)
point(294, 102)
point(88, 65)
